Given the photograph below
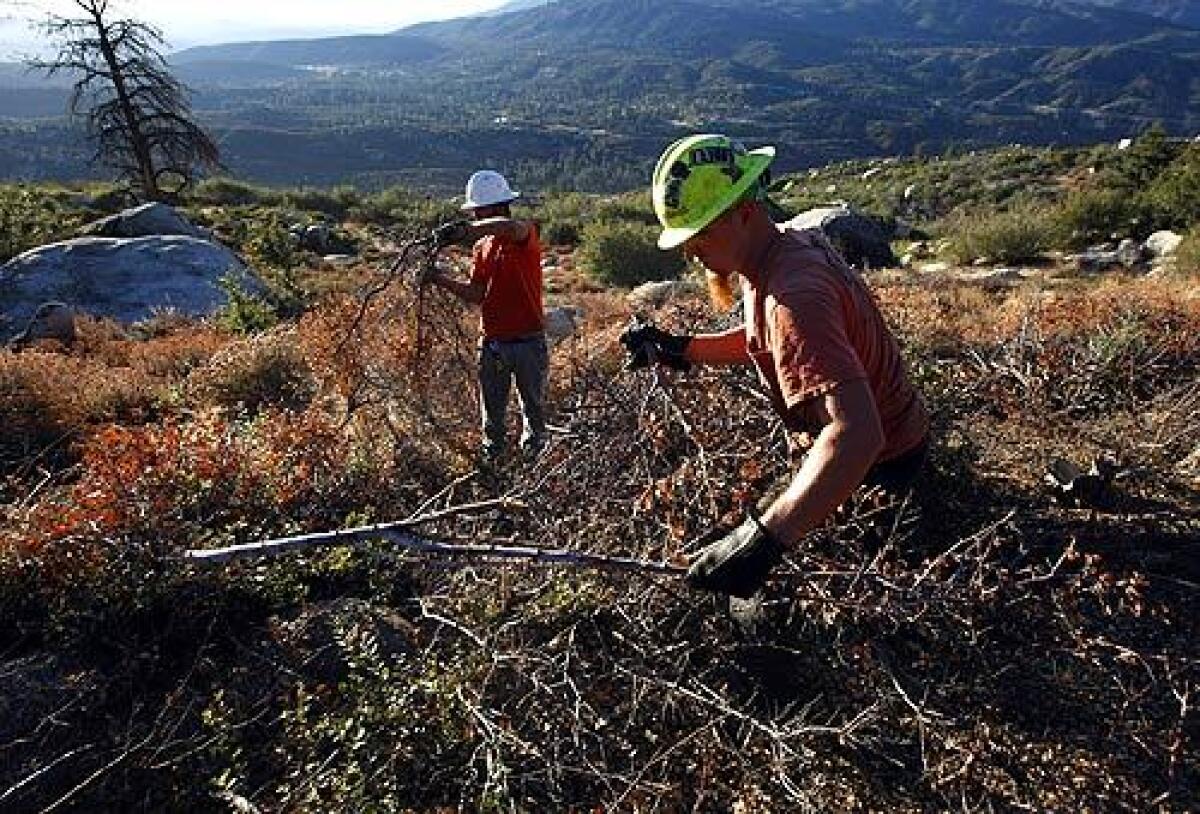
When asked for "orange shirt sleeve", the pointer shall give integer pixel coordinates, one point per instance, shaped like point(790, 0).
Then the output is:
point(810, 344)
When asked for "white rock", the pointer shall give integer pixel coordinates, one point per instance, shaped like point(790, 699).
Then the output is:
point(145, 221)
point(935, 268)
point(126, 279)
point(316, 238)
point(658, 294)
point(993, 278)
point(1130, 252)
point(562, 322)
point(1095, 260)
point(339, 260)
point(1164, 243)
point(51, 320)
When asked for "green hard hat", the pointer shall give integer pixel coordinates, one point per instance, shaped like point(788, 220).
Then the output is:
point(697, 178)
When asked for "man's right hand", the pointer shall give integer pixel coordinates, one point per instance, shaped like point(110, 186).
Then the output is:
point(450, 233)
point(646, 343)
point(738, 563)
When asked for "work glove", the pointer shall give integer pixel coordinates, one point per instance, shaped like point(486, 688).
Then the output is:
point(647, 344)
point(450, 233)
point(428, 274)
point(738, 563)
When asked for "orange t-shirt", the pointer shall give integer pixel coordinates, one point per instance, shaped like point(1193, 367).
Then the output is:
point(512, 274)
point(813, 324)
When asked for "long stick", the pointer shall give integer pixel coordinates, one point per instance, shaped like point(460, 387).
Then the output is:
point(421, 545)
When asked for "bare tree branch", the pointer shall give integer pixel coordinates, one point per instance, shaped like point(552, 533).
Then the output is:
point(137, 114)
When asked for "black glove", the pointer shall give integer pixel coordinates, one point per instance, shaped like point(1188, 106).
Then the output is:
point(647, 343)
point(450, 233)
point(739, 562)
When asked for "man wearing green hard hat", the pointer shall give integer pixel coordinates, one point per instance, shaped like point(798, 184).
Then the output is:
point(813, 332)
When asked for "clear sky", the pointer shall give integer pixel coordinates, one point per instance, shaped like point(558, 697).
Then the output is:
point(198, 22)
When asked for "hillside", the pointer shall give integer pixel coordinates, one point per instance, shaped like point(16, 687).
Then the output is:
point(553, 89)
point(1184, 12)
point(1012, 642)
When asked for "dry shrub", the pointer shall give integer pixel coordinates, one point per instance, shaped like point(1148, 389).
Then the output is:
point(402, 365)
point(1085, 349)
point(1187, 257)
point(981, 655)
point(165, 348)
point(47, 397)
point(166, 483)
point(173, 356)
point(265, 370)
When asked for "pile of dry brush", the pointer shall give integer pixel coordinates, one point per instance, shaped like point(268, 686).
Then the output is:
point(1002, 649)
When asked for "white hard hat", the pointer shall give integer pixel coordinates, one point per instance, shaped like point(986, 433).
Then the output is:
point(488, 188)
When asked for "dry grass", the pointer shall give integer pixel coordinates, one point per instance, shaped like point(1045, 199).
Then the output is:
point(1003, 651)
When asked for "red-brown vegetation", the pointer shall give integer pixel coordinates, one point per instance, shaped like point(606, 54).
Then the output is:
point(1002, 650)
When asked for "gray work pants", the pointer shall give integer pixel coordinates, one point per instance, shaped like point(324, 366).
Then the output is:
point(527, 361)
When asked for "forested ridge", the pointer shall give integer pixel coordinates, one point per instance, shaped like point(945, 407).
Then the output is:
point(557, 90)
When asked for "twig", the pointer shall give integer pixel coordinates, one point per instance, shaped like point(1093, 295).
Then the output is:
point(48, 767)
point(393, 534)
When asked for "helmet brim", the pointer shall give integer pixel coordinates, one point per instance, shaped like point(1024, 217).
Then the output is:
point(676, 236)
point(469, 205)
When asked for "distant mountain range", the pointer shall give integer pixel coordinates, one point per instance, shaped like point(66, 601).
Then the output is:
point(585, 92)
point(1184, 12)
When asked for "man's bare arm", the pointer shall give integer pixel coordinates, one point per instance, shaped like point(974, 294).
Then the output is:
point(728, 348)
point(842, 454)
point(469, 292)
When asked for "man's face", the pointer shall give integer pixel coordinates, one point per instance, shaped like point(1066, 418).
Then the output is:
point(714, 246)
point(485, 212)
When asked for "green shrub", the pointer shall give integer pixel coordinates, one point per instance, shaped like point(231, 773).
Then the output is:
point(31, 217)
point(1187, 256)
point(1092, 216)
point(268, 243)
point(560, 233)
point(1018, 235)
point(401, 209)
point(635, 208)
point(266, 370)
point(245, 313)
point(334, 202)
point(564, 216)
point(228, 192)
point(1172, 200)
point(1133, 169)
point(626, 255)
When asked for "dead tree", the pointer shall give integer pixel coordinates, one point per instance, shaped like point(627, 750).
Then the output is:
point(138, 115)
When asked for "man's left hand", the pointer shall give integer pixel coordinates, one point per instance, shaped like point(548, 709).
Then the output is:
point(428, 274)
point(739, 562)
point(450, 233)
point(646, 343)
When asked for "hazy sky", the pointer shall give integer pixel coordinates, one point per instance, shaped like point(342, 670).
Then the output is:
point(196, 22)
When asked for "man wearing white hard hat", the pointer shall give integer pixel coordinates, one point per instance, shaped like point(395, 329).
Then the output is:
point(506, 283)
